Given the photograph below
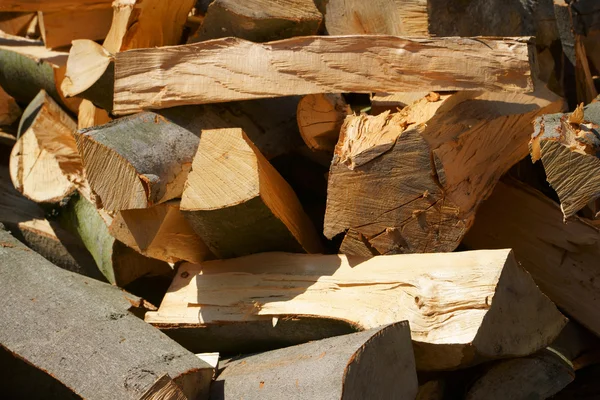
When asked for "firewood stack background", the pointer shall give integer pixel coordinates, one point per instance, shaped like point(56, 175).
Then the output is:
point(288, 199)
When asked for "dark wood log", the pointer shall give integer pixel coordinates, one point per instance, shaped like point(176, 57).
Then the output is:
point(80, 333)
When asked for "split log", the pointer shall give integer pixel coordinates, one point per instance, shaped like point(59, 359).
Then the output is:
point(562, 258)
point(9, 109)
point(239, 204)
point(60, 28)
point(259, 20)
point(16, 23)
point(538, 376)
point(320, 118)
point(316, 64)
point(160, 232)
point(411, 181)
point(94, 348)
point(390, 101)
point(51, 5)
point(463, 308)
point(375, 364)
point(431, 390)
point(567, 145)
point(89, 115)
point(150, 154)
point(44, 164)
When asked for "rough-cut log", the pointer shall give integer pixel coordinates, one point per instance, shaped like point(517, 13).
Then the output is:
point(562, 258)
point(117, 262)
point(239, 204)
point(160, 232)
point(51, 5)
point(259, 20)
point(89, 115)
point(16, 23)
point(411, 181)
point(150, 154)
point(320, 118)
point(60, 28)
point(9, 109)
point(375, 364)
point(44, 164)
point(212, 71)
point(462, 307)
point(80, 333)
point(538, 376)
point(391, 101)
point(567, 145)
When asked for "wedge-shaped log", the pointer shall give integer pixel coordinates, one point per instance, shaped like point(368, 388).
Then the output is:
point(239, 204)
point(462, 307)
point(9, 109)
point(567, 145)
point(411, 181)
point(562, 258)
point(80, 332)
point(374, 364)
point(16, 23)
point(60, 28)
point(211, 71)
point(320, 118)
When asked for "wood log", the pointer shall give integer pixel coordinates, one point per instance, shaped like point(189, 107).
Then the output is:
point(259, 20)
point(411, 181)
point(320, 118)
point(15, 23)
point(463, 308)
point(431, 390)
point(89, 115)
point(116, 355)
point(60, 28)
point(374, 364)
point(160, 232)
point(567, 144)
point(153, 174)
point(9, 109)
point(316, 64)
point(560, 257)
point(538, 376)
point(239, 204)
point(51, 5)
point(585, 387)
point(44, 163)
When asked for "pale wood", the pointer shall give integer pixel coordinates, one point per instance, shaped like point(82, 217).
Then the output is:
point(259, 20)
point(80, 332)
point(51, 5)
point(9, 109)
point(320, 118)
point(462, 307)
point(60, 28)
point(411, 181)
point(89, 115)
point(15, 23)
point(160, 232)
point(239, 204)
point(375, 364)
point(44, 163)
point(400, 100)
point(211, 71)
point(164, 389)
point(567, 144)
point(562, 258)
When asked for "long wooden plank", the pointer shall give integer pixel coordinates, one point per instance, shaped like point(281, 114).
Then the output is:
point(230, 69)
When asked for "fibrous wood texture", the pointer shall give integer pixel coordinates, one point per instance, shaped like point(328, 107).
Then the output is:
point(567, 145)
point(212, 71)
point(411, 181)
point(320, 118)
point(562, 258)
point(16, 23)
point(44, 164)
point(51, 5)
point(375, 364)
point(239, 204)
point(93, 347)
point(462, 307)
point(259, 20)
point(60, 28)
point(9, 109)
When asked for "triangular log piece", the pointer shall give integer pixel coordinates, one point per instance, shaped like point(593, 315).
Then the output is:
point(562, 258)
point(317, 64)
point(411, 181)
point(79, 333)
point(320, 118)
point(239, 204)
point(463, 308)
point(9, 109)
point(374, 364)
point(60, 28)
point(16, 23)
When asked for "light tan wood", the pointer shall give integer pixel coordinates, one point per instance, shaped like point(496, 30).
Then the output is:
point(411, 181)
point(9, 109)
point(399, 100)
point(320, 118)
point(159, 232)
point(239, 204)
point(462, 307)
point(16, 23)
point(562, 258)
point(51, 5)
point(89, 115)
point(60, 28)
point(213, 71)
point(86, 63)
point(164, 389)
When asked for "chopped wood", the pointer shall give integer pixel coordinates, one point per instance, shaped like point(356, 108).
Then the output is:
point(562, 258)
point(463, 308)
point(239, 204)
point(44, 164)
point(51, 5)
point(60, 320)
point(411, 181)
point(586, 386)
point(320, 118)
point(89, 115)
point(392, 101)
point(167, 77)
point(567, 147)
point(15, 23)
point(431, 390)
point(374, 364)
point(577, 344)
point(9, 109)
point(279, 19)
point(60, 28)
point(160, 232)
point(164, 388)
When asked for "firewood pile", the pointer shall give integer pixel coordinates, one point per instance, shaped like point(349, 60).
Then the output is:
point(298, 199)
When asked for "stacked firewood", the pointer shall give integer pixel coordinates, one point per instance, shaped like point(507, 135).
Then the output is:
point(300, 199)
